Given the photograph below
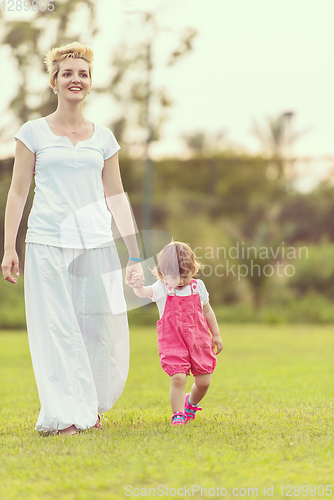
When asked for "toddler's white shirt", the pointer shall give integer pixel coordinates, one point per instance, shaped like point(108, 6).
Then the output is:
point(69, 208)
point(160, 294)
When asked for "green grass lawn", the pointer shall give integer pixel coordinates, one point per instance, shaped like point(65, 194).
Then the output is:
point(267, 420)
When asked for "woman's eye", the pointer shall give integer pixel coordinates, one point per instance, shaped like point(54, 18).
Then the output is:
point(69, 74)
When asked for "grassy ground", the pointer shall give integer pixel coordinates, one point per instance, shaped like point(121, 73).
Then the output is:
point(267, 420)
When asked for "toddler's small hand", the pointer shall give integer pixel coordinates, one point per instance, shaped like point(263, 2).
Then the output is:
point(135, 280)
point(217, 342)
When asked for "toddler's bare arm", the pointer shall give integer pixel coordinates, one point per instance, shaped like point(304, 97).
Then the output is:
point(214, 328)
point(143, 291)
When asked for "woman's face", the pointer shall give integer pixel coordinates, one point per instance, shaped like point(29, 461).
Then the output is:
point(73, 81)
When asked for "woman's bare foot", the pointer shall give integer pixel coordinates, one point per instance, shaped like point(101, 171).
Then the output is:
point(69, 431)
point(98, 424)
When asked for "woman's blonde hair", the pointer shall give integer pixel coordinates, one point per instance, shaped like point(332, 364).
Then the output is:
point(176, 258)
point(74, 50)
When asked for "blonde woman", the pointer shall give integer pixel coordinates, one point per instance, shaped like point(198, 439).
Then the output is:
point(75, 307)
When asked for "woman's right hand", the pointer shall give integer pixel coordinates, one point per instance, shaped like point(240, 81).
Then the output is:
point(10, 260)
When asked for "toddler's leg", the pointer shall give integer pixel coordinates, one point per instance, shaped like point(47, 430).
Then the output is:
point(200, 388)
point(177, 391)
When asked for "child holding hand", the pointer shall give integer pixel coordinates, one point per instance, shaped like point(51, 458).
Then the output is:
point(184, 340)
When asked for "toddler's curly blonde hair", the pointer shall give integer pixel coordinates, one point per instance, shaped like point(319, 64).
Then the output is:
point(176, 258)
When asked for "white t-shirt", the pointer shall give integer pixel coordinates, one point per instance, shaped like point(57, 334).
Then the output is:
point(69, 208)
point(160, 294)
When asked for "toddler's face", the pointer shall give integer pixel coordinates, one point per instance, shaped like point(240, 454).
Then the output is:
point(176, 280)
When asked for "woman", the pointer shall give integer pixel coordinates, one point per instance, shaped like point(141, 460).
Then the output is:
point(75, 308)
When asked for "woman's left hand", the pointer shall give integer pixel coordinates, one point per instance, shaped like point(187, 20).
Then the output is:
point(136, 267)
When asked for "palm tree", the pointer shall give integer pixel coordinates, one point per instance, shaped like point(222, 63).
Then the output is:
point(277, 138)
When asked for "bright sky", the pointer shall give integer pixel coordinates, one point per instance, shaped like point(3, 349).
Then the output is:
point(251, 59)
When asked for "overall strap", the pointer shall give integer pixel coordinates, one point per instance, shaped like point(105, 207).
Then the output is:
point(194, 294)
point(194, 287)
point(170, 290)
point(171, 293)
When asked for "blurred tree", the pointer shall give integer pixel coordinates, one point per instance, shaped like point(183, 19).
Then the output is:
point(257, 266)
point(316, 272)
point(262, 221)
point(142, 107)
point(131, 86)
point(309, 216)
point(203, 143)
point(277, 139)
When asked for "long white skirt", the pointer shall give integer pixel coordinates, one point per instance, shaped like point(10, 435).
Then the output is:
point(78, 332)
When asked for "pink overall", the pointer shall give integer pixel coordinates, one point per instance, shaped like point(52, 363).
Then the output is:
point(184, 340)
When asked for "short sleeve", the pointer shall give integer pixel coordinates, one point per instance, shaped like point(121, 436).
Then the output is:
point(112, 145)
point(159, 296)
point(159, 291)
point(204, 294)
point(26, 135)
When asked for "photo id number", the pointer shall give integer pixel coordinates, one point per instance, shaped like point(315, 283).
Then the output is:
point(35, 5)
point(296, 491)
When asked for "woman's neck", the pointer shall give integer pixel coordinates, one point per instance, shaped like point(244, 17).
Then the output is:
point(70, 114)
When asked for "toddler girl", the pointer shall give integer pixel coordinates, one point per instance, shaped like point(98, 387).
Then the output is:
point(184, 341)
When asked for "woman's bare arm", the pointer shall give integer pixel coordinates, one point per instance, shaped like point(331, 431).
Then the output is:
point(119, 206)
point(17, 196)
